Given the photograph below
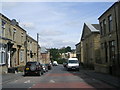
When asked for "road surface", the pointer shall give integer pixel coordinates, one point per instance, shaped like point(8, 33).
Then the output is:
point(58, 77)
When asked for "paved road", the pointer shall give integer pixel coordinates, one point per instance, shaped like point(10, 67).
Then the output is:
point(58, 77)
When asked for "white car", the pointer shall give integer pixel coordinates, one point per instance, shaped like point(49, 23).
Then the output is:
point(55, 63)
point(73, 63)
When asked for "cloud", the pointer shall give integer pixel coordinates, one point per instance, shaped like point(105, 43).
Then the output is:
point(50, 32)
point(9, 5)
point(73, 23)
point(27, 25)
point(60, 0)
point(58, 43)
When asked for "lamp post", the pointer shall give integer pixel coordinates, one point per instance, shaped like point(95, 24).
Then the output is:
point(37, 44)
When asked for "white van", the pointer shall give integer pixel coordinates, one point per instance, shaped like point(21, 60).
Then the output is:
point(73, 63)
point(55, 63)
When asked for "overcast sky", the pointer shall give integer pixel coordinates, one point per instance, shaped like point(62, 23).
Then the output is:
point(59, 24)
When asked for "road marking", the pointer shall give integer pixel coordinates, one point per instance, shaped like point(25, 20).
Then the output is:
point(28, 81)
point(93, 79)
point(52, 81)
point(74, 72)
point(15, 80)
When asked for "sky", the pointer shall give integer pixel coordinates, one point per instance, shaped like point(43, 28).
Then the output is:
point(59, 24)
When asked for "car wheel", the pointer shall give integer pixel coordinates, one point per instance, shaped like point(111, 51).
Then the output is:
point(42, 72)
point(32, 67)
point(67, 69)
point(25, 74)
point(39, 73)
point(77, 69)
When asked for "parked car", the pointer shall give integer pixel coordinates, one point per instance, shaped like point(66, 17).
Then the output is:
point(45, 69)
point(49, 66)
point(55, 63)
point(33, 68)
point(73, 63)
point(65, 64)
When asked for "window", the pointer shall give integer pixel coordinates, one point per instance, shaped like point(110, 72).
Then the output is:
point(3, 28)
point(101, 28)
point(22, 37)
point(2, 56)
point(10, 32)
point(22, 55)
point(102, 45)
point(110, 23)
point(104, 26)
point(106, 51)
point(14, 32)
point(112, 50)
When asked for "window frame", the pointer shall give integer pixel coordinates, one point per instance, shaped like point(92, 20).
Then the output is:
point(2, 50)
point(110, 22)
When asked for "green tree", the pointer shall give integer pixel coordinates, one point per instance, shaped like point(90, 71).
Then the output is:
point(54, 54)
point(68, 49)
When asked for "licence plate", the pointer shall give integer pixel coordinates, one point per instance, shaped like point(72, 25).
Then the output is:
point(73, 67)
point(27, 68)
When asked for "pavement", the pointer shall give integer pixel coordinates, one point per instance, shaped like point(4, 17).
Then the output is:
point(11, 76)
point(109, 79)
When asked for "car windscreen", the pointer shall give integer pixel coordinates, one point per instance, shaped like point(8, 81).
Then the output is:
point(73, 61)
point(31, 63)
point(43, 64)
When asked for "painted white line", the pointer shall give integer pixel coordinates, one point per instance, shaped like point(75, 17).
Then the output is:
point(15, 80)
point(93, 79)
point(52, 81)
point(74, 72)
point(28, 81)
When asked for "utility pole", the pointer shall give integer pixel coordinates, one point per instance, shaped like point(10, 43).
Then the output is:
point(37, 45)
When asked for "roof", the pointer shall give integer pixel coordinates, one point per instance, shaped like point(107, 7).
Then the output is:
point(110, 8)
point(11, 21)
point(93, 27)
point(44, 50)
point(4, 38)
point(31, 38)
point(4, 16)
point(72, 59)
point(77, 44)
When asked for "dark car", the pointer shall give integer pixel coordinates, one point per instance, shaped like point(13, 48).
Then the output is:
point(45, 68)
point(65, 64)
point(33, 68)
point(49, 66)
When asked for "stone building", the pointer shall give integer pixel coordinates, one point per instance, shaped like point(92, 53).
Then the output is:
point(110, 40)
point(12, 44)
point(32, 49)
point(45, 55)
point(19, 38)
point(79, 52)
point(5, 39)
point(16, 47)
point(90, 44)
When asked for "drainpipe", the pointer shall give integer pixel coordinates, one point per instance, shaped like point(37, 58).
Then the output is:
point(117, 36)
point(26, 47)
point(37, 45)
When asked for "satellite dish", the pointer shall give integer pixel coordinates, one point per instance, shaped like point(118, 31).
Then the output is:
point(14, 22)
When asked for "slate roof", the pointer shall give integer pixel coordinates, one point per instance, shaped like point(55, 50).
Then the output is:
point(93, 27)
point(44, 50)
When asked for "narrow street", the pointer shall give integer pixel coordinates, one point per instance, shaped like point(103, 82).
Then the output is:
point(58, 77)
